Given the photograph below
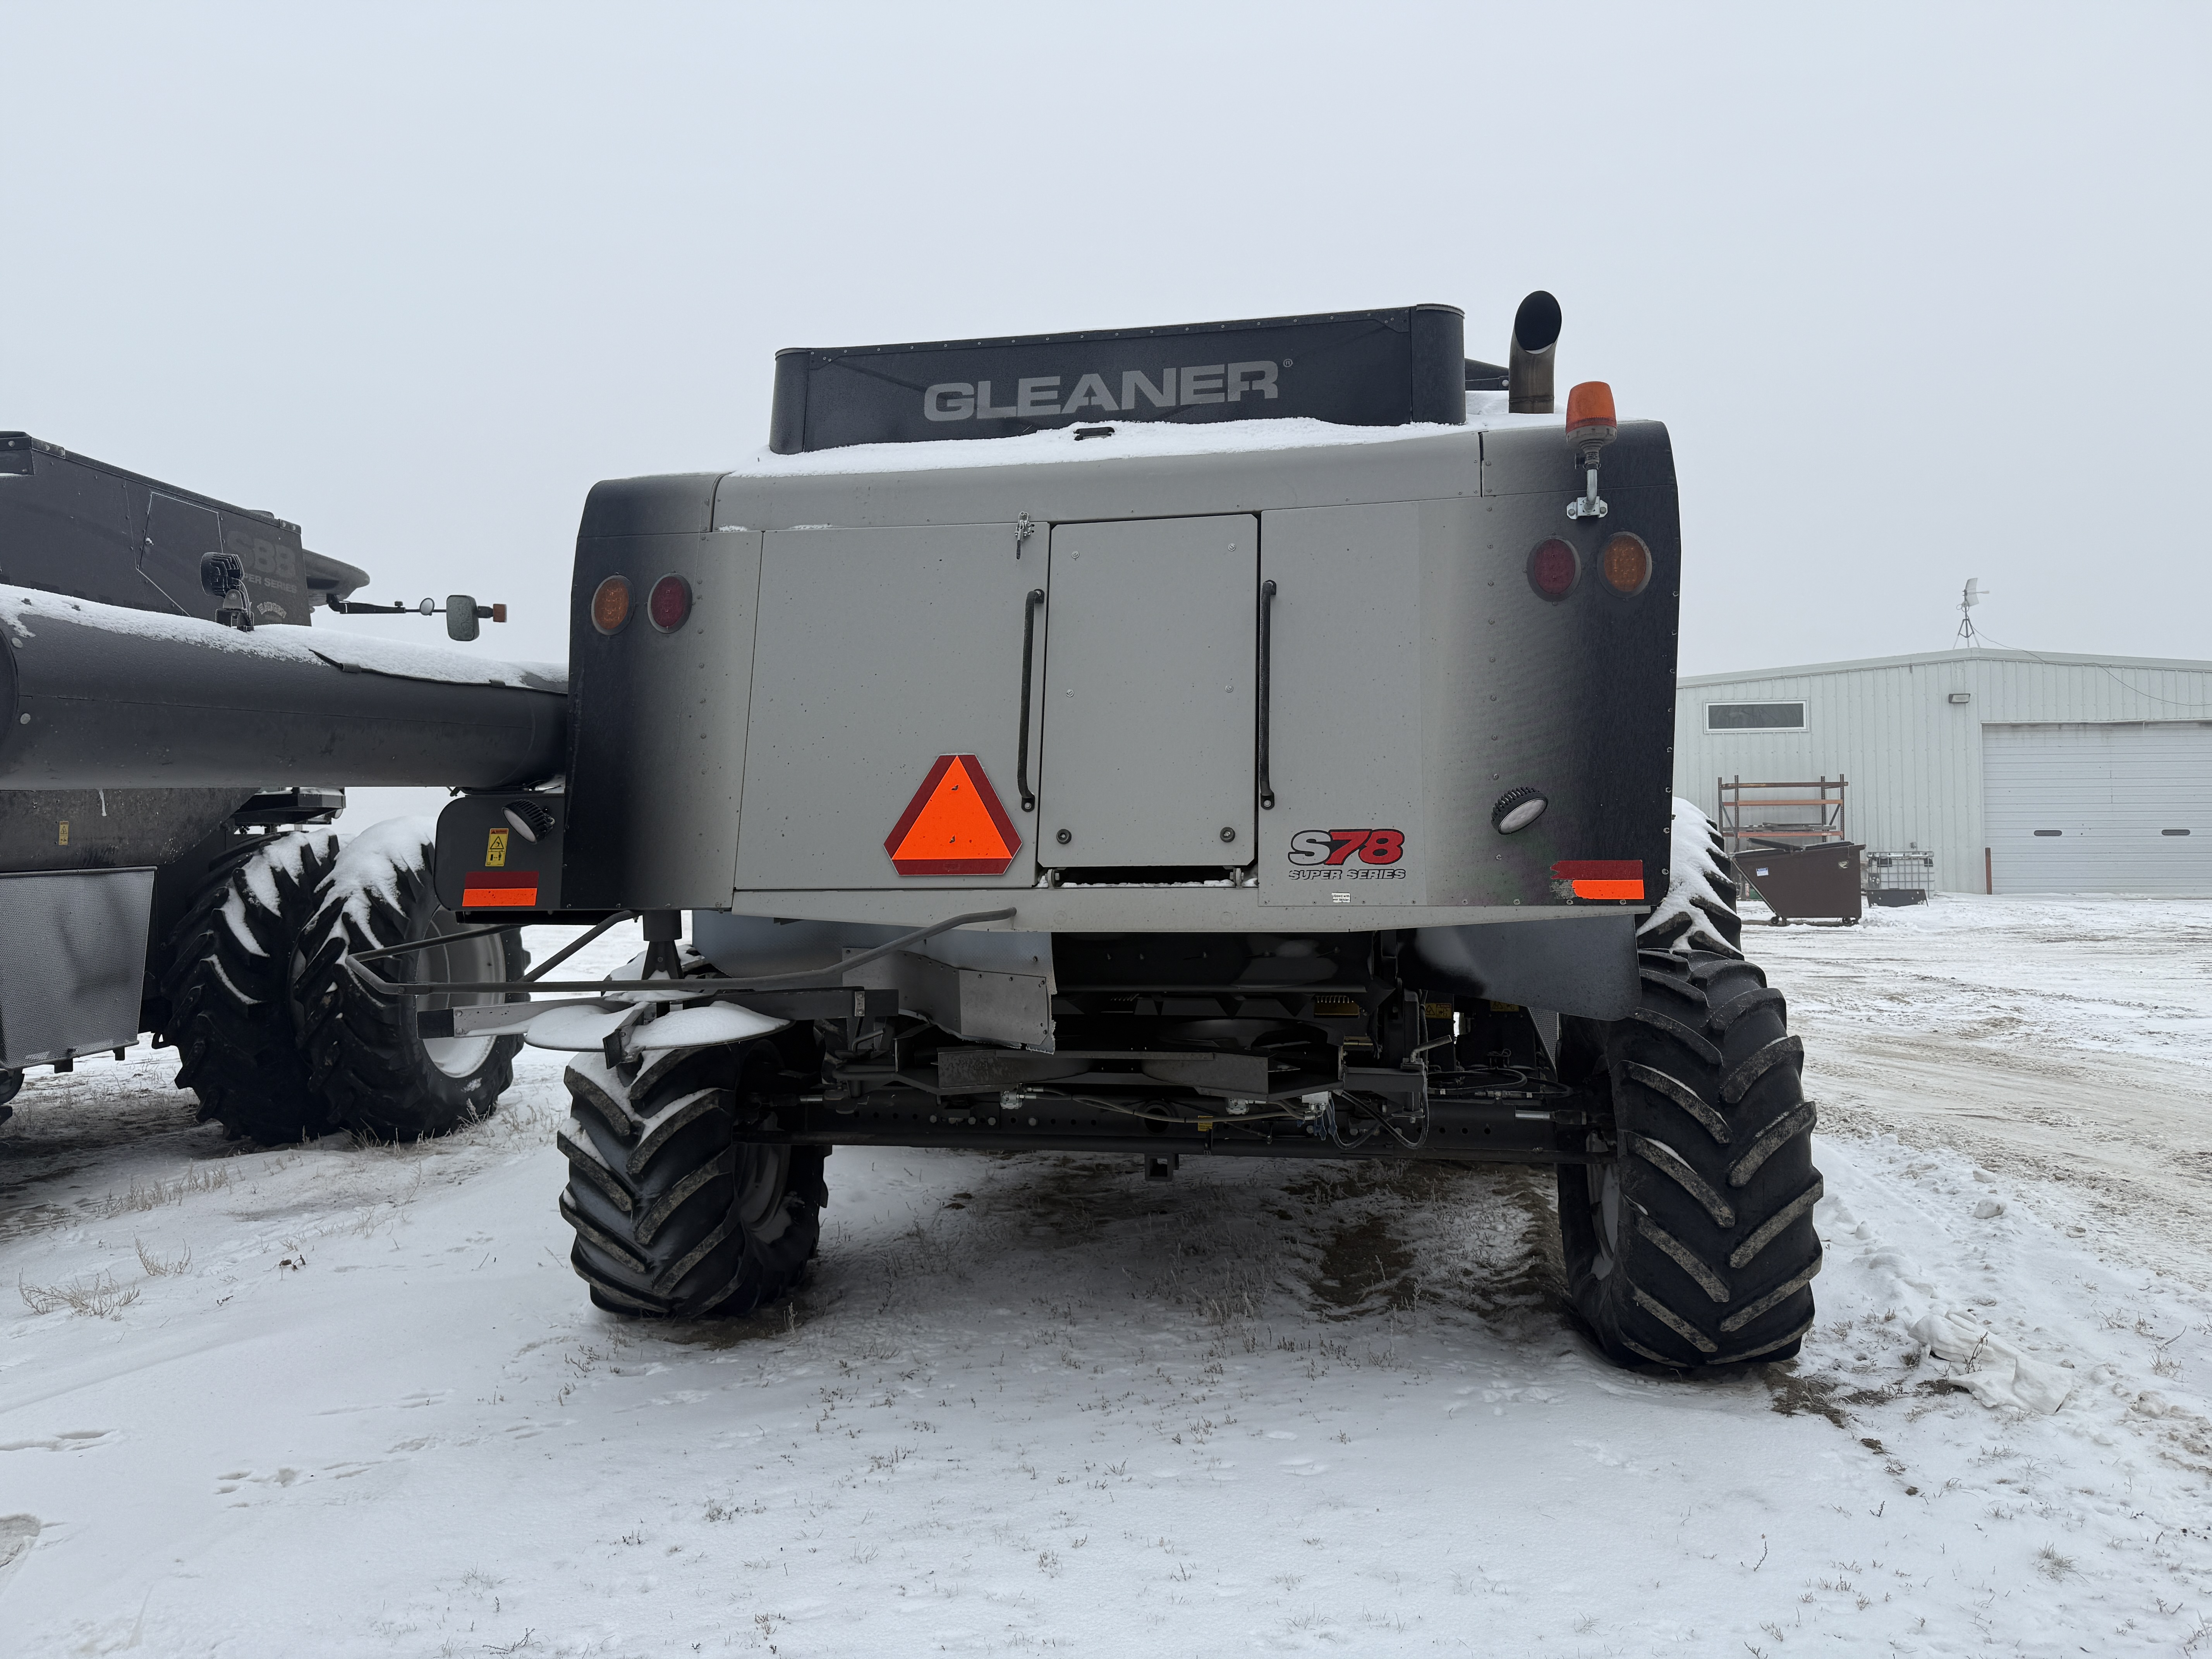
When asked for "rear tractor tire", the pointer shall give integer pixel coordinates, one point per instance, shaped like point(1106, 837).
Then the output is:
point(366, 1054)
point(1693, 1244)
point(231, 1018)
point(675, 1215)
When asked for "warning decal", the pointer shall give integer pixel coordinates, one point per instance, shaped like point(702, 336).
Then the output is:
point(954, 825)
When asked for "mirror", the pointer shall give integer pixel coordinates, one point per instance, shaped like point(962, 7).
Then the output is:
point(461, 622)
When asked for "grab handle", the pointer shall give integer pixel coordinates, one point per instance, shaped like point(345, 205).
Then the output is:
point(1267, 686)
point(1029, 657)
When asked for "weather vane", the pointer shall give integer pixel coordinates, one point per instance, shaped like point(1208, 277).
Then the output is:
point(1967, 601)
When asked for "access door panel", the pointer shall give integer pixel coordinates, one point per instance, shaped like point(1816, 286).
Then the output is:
point(889, 668)
point(179, 535)
point(1345, 708)
point(1148, 711)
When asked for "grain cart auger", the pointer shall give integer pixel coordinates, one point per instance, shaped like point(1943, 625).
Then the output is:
point(1247, 740)
point(174, 743)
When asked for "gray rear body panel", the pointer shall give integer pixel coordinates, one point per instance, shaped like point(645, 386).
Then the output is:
point(1417, 677)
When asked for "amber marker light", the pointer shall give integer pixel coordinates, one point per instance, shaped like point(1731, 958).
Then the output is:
point(610, 604)
point(1626, 563)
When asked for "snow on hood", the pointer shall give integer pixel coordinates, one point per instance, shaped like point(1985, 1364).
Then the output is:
point(1485, 411)
point(21, 609)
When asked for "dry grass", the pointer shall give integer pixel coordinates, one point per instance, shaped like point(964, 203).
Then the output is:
point(157, 1268)
point(100, 1299)
point(200, 1178)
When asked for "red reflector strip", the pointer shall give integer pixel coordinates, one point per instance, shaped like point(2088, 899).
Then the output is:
point(500, 890)
point(1609, 890)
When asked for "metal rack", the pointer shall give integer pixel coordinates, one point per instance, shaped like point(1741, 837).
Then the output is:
point(1746, 813)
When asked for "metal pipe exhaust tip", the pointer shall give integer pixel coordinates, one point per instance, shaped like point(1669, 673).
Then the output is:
point(1536, 324)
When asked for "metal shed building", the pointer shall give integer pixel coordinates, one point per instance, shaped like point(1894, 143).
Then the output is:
point(2020, 772)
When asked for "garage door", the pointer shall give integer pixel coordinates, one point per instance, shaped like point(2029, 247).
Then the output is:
point(2099, 808)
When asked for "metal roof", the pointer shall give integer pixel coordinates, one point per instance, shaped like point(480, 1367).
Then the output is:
point(1980, 653)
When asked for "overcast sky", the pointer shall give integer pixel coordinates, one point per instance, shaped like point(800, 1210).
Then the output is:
point(1920, 290)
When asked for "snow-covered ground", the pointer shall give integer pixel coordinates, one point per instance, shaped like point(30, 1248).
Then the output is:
point(336, 1400)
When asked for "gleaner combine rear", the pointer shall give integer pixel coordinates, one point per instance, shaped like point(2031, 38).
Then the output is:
point(1203, 740)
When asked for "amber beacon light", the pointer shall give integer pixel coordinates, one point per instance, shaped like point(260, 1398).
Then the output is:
point(1590, 427)
point(1590, 415)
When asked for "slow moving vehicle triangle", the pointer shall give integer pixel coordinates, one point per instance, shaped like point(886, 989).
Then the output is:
point(954, 825)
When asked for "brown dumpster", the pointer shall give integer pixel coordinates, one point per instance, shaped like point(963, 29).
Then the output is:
point(1819, 881)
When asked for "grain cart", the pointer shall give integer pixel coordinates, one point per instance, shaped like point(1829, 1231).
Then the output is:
point(175, 742)
point(1244, 740)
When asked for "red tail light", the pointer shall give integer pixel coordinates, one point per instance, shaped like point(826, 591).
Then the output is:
point(669, 603)
point(1552, 567)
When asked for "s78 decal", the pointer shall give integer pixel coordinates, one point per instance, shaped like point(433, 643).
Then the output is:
point(1331, 848)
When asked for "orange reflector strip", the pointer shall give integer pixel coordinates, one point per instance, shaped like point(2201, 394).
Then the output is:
point(500, 889)
point(1609, 890)
point(954, 825)
point(1602, 878)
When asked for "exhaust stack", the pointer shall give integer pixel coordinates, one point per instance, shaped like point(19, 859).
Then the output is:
point(1529, 374)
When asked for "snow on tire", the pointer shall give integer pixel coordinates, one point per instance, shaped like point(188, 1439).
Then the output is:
point(228, 989)
point(675, 1214)
point(366, 1053)
point(1698, 912)
point(1693, 1245)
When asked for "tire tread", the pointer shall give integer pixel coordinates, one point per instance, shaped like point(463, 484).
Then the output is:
point(1717, 1246)
point(226, 984)
point(664, 1132)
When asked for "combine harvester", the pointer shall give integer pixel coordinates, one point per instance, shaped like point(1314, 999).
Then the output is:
point(175, 741)
point(1247, 740)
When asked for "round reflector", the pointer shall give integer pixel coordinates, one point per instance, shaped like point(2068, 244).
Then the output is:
point(1627, 564)
point(669, 604)
point(1552, 568)
point(610, 604)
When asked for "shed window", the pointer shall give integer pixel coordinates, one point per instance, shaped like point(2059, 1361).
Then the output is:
point(1754, 717)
